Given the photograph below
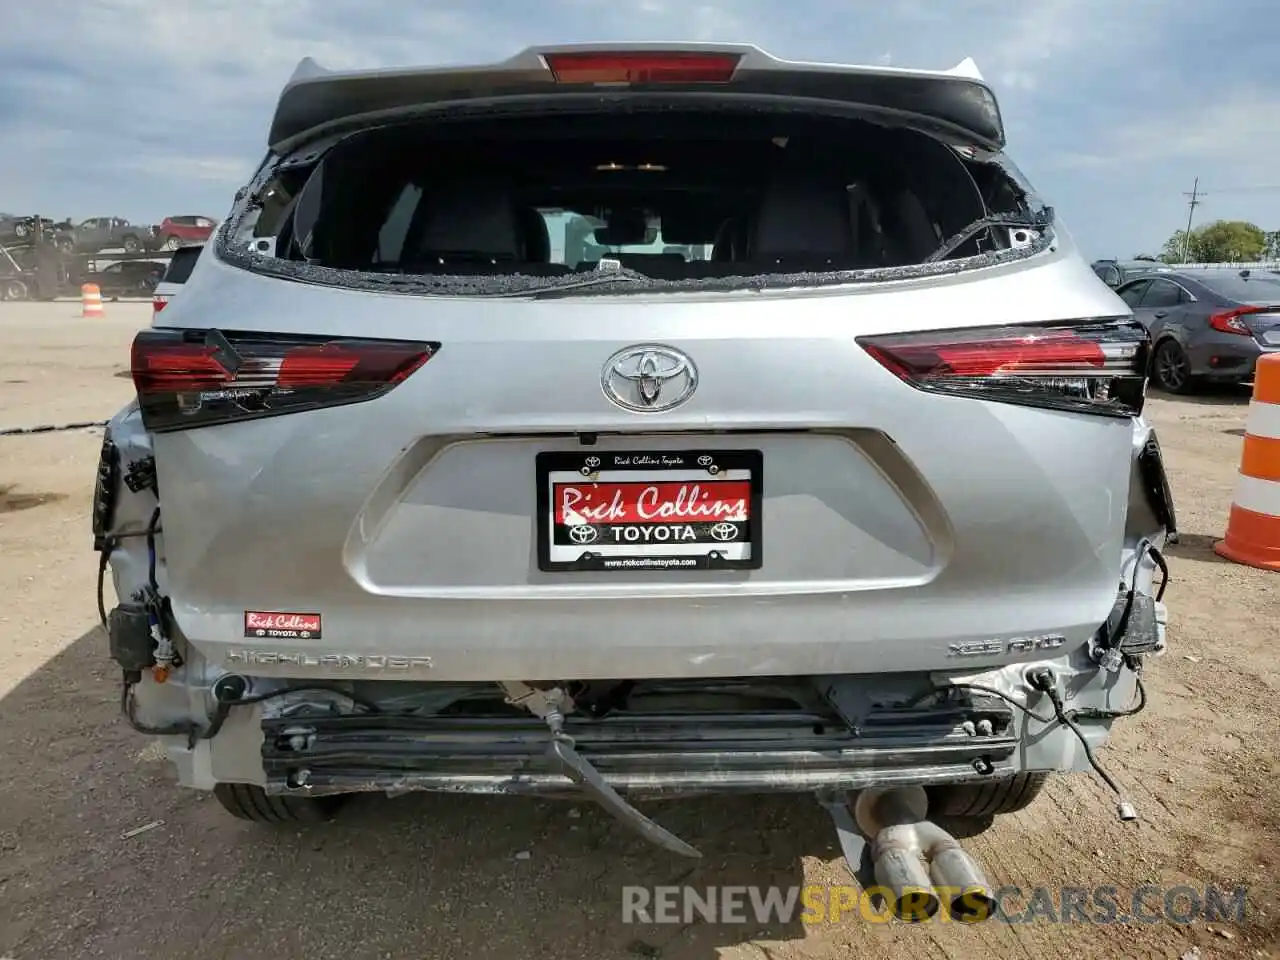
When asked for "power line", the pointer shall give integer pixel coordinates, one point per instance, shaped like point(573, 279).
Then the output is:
point(1192, 203)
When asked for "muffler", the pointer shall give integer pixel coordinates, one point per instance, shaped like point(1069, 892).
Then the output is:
point(903, 842)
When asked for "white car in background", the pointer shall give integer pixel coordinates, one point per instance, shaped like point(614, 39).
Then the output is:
point(179, 269)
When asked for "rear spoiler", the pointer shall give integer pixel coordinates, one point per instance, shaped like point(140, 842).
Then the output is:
point(956, 104)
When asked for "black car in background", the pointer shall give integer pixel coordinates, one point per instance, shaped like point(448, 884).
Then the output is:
point(127, 278)
point(1207, 325)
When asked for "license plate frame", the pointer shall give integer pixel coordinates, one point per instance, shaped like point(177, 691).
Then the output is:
point(628, 474)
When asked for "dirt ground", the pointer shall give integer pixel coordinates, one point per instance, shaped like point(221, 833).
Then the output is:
point(439, 876)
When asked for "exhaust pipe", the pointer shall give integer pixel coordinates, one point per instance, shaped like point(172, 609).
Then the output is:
point(903, 841)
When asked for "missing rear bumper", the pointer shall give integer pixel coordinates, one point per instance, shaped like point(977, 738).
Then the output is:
point(637, 755)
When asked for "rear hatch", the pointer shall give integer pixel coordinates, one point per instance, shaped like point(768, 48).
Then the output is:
point(438, 433)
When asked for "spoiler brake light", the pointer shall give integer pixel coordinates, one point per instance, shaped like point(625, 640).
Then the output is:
point(642, 67)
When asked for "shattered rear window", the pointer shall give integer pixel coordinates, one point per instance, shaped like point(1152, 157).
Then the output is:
point(664, 201)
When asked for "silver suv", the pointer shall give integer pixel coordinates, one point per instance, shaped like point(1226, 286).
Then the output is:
point(639, 421)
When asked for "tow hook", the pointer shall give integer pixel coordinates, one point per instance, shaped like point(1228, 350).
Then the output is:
point(550, 705)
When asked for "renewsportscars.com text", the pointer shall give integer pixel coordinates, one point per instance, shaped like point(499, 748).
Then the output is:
point(817, 904)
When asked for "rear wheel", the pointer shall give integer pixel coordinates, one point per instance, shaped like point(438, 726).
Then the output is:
point(248, 801)
point(981, 801)
point(1170, 368)
point(131, 244)
point(13, 290)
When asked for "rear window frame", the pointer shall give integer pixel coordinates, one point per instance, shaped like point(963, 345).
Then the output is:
point(233, 238)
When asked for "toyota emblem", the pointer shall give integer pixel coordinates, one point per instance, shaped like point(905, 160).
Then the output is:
point(583, 534)
point(649, 378)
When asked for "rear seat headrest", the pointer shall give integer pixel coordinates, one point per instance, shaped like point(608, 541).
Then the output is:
point(803, 213)
point(470, 220)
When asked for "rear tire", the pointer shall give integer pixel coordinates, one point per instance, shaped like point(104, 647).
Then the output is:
point(1170, 368)
point(248, 801)
point(981, 801)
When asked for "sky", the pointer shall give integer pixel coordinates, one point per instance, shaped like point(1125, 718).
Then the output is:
point(148, 108)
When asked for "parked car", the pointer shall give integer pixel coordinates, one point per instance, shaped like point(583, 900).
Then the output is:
point(127, 278)
point(175, 275)
point(113, 233)
point(175, 232)
point(21, 230)
point(769, 521)
point(15, 227)
point(1207, 325)
point(1114, 273)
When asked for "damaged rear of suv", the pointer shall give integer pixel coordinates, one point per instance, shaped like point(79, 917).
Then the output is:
point(637, 422)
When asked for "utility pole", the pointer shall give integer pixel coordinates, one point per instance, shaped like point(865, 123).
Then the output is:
point(1192, 203)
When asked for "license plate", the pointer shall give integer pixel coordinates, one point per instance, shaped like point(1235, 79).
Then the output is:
point(649, 510)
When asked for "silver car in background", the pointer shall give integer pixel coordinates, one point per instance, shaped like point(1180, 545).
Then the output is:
point(639, 421)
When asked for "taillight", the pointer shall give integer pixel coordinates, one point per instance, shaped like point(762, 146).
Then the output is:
point(642, 67)
point(1097, 366)
point(1228, 321)
point(198, 378)
point(158, 303)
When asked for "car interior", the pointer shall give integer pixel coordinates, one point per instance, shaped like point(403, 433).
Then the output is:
point(760, 194)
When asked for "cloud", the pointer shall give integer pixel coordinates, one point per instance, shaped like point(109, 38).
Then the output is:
point(141, 109)
point(1238, 129)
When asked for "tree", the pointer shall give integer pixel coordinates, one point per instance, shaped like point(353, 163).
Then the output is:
point(1272, 251)
point(1223, 241)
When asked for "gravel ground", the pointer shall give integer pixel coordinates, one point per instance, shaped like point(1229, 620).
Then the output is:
point(438, 876)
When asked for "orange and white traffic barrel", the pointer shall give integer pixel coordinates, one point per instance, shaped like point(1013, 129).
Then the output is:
point(90, 300)
point(1253, 529)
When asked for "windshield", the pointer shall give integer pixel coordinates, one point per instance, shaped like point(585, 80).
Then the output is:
point(660, 199)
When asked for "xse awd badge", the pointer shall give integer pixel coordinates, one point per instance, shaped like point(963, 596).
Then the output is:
point(995, 648)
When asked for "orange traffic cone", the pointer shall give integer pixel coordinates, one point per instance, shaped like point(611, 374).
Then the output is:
point(90, 301)
point(1253, 529)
